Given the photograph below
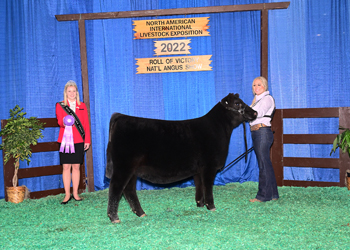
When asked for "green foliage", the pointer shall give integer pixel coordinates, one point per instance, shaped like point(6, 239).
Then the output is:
point(19, 134)
point(342, 141)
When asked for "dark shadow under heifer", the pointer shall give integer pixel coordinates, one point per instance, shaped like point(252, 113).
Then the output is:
point(164, 152)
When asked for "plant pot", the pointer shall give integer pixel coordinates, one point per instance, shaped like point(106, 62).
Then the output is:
point(15, 194)
point(347, 178)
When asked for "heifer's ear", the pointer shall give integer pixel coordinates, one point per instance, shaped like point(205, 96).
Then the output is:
point(237, 95)
point(230, 95)
point(224, 101)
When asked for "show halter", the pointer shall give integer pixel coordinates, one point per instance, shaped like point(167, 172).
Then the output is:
point(240, 111)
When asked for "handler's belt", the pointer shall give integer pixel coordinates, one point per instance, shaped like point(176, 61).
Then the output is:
point(258, 126)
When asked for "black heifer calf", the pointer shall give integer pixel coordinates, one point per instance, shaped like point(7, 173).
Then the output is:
point(163, 152)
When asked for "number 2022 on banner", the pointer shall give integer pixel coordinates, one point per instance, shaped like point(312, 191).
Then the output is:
point(172, 47)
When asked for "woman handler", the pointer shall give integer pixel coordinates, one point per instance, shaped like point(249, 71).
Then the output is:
point(262, 137)
point(71, 161)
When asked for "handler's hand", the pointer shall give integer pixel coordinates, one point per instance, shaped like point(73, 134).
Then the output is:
point(86, 146)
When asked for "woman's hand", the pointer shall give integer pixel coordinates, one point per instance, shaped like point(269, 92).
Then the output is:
point(86, 146)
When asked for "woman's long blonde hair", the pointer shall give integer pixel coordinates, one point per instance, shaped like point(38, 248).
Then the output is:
point(70, 83)
point(263, 82)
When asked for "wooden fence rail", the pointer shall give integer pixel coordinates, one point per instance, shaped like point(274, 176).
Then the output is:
point(279, 161)
point(40, 171)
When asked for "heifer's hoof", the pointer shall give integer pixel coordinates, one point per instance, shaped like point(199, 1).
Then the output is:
point(200, 204)
point(140, 213)
point(211, 207)
point(143, 215)
point(115, 219)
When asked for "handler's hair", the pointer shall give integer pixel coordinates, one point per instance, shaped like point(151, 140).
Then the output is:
point(263, 82)
point(70, 83)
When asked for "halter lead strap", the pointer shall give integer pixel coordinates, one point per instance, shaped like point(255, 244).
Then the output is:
point(240, 111)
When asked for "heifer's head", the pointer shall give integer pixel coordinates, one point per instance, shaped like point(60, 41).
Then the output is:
point(233, 103)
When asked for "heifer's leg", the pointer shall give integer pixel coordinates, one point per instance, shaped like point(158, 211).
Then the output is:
point(199, 190)
point(208, 181)
point(131, 197)
point(116, 187)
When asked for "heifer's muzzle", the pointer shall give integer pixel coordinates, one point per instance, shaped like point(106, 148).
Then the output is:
point(248, 113)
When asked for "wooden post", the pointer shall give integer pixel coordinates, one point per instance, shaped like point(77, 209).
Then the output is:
point(264, 43)
point(85, 78)
point(276, 152)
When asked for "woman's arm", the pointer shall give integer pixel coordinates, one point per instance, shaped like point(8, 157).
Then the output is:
point(263, 107)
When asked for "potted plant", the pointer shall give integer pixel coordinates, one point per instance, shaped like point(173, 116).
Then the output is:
point(18, 135)
point(342, 141)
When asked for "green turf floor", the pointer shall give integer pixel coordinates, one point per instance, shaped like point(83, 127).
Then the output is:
point(303, 218)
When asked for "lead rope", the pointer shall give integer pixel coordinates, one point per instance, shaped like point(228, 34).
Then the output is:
point(245, 142)
point(237, 159)
point(241, 156)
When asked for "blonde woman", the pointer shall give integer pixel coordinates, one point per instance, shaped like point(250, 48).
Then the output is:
point(262, 137)
point(71, 162)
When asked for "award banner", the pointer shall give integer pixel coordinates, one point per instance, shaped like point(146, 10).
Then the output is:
point(167, 28)
point(67, 144)
point(173, 64)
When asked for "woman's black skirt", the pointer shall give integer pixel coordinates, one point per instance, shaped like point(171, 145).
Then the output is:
point(75, 158)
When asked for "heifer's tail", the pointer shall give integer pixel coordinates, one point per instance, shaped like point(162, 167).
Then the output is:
point(109, 167)
point(112, 123)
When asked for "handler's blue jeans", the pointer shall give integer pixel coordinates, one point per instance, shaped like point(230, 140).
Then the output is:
point(262, 142)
